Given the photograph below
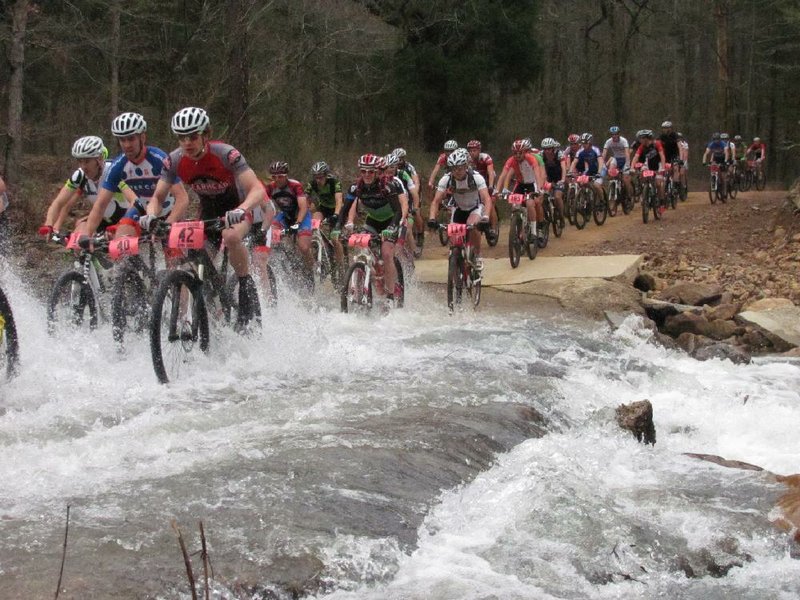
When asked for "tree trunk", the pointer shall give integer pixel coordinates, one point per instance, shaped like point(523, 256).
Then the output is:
point(238, 73)
point(116, 9)
point(16, 59)
point(721, 9)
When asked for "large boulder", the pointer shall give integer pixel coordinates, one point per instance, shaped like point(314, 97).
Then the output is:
point(690, 292)
point(637, 418)
point(722, 351)
point(722, 330)
point(685, 322)
point(766, 304)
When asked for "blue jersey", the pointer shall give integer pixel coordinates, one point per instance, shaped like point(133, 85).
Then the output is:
point(141, 177)
point(717, 148)
point(588, 160)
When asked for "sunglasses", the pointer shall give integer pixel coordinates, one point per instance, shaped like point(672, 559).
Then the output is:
point(365, 171)
point(189, 136)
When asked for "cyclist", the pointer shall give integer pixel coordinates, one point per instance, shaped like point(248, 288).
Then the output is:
point(555, 171)
point(757, 151)
point(617, 153)
point(91, 154)
point(669, 141)
point(419, 226)
point(683, 149)
point(386, 204)
point(472, 200)
point(388, 166)
point(573, 147)
point(719, 152)
point(589, 160)
point(325, 192)
point(449, 146)
point(226, 186)
point(529, 176)
point(483, 164)
point(139, 167)
point(651, 153)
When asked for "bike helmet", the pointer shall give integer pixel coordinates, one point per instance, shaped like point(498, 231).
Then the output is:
point(715, 135)
point(756, 140)
point(648, 133)
point(586, 138)
point(368, 161)
point(450, 145)
point(528, 143)
point(392, 160)
point(320, 168)
point(190, 120)
point(474, 144)
point(519, 146)
point(279, 167)
point(573, 138)
point(401, 153)
point(549, 143)
point(89, 146)
point(724, 136)
point(737, 138)
point(381, 162)
point(680, 135)
point(458, 158)
point(666, 125)
point(614, 130)
point(127, 124)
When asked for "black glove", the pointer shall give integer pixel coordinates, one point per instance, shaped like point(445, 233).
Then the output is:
point(483, 226)
point(332, 220)
point(433, 224)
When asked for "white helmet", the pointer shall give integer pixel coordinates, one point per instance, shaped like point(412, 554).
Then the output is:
point(127, 124)
point(458, 158)
point(549, 143)
point(190, 120)
point(401, 152)
point(392, 160)
point(450, 145)
point(89, 146)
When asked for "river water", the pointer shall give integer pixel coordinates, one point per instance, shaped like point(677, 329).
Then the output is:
point(411, 456)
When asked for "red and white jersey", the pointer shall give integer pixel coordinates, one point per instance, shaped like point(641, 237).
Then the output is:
point(482, 164)
point(524, 170)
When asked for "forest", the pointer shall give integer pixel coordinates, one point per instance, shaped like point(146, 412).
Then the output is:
point(305, 80)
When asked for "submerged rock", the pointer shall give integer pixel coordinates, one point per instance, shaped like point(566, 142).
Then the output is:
point(690, 292)
point(637, 418)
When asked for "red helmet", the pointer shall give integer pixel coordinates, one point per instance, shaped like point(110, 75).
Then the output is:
point(368, 161)
point(521, 146)
point(573, 138)
point(474, 144)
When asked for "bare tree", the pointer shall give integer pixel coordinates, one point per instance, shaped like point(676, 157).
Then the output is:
point(20, 11)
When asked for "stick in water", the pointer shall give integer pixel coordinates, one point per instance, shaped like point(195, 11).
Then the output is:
point(186, 559)
point(205, 557)
point(63, 555)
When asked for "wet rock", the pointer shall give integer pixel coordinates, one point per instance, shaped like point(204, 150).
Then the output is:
point(724, 462)
point(687, 342)
point(637, 418)
point(722, 351)
point(644, 282)
point(685, 322)
point(721, 330)
point(665, 341)
point(690, 292)
point(756, 340)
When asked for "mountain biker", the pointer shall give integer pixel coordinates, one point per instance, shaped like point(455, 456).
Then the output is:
point(683, 148)
point(139, 168)
point(386, 204)
point(389, 168)
point(448, 147)
point(555, 170)
point(471, 195)
point(227, 188)
point(589, 161)
point(483, 164)
point(669, 141)
point(719, 153)
point(325, 192)
point(91, 154)
point(573, 147)
point(651, 153)
point(617, 153)
point(757, 151)
point(529, 176)
point(419, 226)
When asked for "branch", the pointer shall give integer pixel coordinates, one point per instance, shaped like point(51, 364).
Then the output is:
point(63, 555)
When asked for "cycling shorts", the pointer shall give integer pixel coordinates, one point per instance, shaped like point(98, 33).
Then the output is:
point(461, 216)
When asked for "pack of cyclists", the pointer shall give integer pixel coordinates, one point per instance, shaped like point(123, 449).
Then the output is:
point(143, 185)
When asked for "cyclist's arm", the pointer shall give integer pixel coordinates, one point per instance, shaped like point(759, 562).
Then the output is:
point(254, 191)
point(181, 203)
point(432, 178)
point(351, 214)
point(705, 155)
point(302, 208)
point(563, 171)
point(437, 200)
point(501, 181)
point(663, 158)
point(56, 213)
point(601, 163)
point(573, 165)
point(127, 193)
point(492, 175)
point(403, 201)
point(338, 197)
point(627, 157)
point(154, 203)
point(538, 171)
point(487, 200)
point(104, 197)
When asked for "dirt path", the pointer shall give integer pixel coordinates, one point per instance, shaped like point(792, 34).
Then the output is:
point(732, 244)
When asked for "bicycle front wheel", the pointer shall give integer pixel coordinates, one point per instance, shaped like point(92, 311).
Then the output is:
point(600, 208)
point(178, 324)
point(9, 343)
point(515, 238)
point(129, 309)
point(761, 180)
point(455, 283)
point(357, 292)
point(645, 203)
point(72, 304)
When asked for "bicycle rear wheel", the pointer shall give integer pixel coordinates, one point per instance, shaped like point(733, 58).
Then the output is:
point(613, 198)
point(72, 304)
point(178, 324)
point(129, 304)
point(581, 212)
point(399, 285)
point(558, 221)
point(9, 343)
point(761, 180)
point(600, 208)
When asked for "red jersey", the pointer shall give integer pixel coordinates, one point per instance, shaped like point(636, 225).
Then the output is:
point(524, 171)
point(482, 164)
point(285, 198)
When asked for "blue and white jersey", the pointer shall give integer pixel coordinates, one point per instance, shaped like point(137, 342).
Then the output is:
point(141, 177)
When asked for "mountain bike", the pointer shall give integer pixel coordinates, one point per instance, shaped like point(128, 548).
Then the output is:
point(650, 200)
point(519, 236)
point(325, 263)
point(364, 278)
point(617, 195)
point(464, 272)
point(671, 192)
point(493, 234)
point(179, 320)
point(748, 176)
point(584, 201)
point(760, 177)
point(552, 216)
point(570, 195)
point(716, 184)
point(9, 343)
point(78, 297)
